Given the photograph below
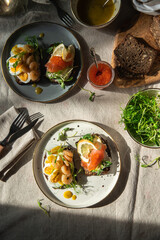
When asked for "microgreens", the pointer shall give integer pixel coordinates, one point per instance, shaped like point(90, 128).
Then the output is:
point(32, 41)
point(151, 163)
point(142, 118)
point(88, 136)
point(92, 94)
point(63, 134)
point(47, 212)
point(51, 48)
point(102, 166)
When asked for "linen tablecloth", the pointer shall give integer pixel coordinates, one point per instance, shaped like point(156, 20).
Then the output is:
point(133, 211)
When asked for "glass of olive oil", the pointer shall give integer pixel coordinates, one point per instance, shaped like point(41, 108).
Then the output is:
point(92, 12)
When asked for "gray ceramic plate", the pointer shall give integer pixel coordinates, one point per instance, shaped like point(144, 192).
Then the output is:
point(95, 188)
point(53, 33)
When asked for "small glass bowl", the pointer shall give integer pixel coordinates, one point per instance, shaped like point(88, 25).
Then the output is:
point(107, 84)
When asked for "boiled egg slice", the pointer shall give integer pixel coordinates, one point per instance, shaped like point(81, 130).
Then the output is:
point(48, 169)
point(24, 77)
point(15, 70)
point(11, 61)
point(17, 49)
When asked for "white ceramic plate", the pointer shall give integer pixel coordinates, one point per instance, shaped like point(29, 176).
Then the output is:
point(95, 188)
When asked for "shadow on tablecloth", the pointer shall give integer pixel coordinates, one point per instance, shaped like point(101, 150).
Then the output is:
point(124, 151)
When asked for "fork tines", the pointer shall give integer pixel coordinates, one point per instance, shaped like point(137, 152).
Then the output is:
point(20, 117)
point(19, 121)
point(36, 116)
point(67, 20)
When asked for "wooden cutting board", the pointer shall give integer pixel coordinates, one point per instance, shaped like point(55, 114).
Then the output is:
point(140, 29)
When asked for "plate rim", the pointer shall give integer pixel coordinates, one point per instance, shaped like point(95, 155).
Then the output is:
point(58, 125)
point(70, 89)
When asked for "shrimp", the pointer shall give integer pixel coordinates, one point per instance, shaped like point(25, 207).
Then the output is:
point(27, 48)
point(55, 177)
point(24, 58)
point(66, 179)
point(58, 164)
point(30, 59)
point(66, 163)
point(68, 155)
point(33, 66)
point(34, 75)
point(25, 68)
point(66, 170)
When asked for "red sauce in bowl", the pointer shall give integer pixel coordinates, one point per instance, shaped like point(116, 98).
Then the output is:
point(101, 77)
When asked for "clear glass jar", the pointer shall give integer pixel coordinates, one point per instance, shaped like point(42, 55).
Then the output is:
point(102, 77)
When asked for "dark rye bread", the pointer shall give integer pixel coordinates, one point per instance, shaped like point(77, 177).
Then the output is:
point(135, 55)
point(155, 29)
point(123, 73)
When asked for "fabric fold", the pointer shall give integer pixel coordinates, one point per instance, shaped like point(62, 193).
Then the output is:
point(15, 151)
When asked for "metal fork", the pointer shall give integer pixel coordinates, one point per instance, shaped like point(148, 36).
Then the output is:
point(16, 125)
point(32, 118)
point(65, 17)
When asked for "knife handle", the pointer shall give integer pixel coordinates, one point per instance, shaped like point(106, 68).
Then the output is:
point(1, 148)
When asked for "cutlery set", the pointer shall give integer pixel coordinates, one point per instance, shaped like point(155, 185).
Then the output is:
point(16, 130)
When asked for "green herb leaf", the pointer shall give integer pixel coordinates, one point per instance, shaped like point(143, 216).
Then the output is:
point(44, 209)
point(51, 48)
point(63, 134)
point(92, 94)
point(32, 41)
point(88, 136)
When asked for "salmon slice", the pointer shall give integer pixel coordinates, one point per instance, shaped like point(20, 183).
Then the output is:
point(56, 64)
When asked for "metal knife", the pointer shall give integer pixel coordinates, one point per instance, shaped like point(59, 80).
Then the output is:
point(21, 132)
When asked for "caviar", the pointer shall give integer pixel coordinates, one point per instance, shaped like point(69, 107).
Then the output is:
point(100, 76)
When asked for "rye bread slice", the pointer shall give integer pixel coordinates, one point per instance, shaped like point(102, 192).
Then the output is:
point(135, 55)
point(123, 73)
point(155, 29)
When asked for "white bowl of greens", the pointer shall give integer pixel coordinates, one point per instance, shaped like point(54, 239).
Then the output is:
point(141, 117)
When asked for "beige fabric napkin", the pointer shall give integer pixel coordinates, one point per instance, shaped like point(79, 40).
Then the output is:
point(16, 151)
